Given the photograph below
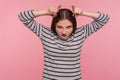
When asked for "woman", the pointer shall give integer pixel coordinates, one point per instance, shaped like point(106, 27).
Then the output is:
point(63, 42)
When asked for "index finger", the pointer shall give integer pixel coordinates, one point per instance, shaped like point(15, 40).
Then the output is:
point(73, 7)
point(59, 6)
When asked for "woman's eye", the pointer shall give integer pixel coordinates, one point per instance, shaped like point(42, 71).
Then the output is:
point(59, 26)
point(69, 27)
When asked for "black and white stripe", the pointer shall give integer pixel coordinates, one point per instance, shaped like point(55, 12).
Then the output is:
point(62, 58)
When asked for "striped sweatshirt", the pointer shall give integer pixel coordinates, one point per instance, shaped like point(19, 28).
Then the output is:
point(62, 57)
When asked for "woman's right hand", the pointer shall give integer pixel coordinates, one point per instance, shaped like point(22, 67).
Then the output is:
point(53, 11)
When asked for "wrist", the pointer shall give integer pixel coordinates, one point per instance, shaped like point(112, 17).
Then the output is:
point(40, 13)
point(82, 13)
point(45, 12)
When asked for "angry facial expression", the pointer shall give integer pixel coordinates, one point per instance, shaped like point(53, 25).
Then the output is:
point(64, 28)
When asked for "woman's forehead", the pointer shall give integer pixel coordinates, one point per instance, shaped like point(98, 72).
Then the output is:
point(64, 22)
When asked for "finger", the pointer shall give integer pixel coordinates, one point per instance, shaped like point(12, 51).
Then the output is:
point(73, 10)
point(73, 7)
point(59, 6)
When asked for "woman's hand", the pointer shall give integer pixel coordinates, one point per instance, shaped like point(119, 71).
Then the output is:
point(76, 11)
point(53, 11)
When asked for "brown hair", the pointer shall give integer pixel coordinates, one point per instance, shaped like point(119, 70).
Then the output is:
point(64, 14)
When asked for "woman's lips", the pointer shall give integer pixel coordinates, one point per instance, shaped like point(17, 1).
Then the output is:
point(64, 35)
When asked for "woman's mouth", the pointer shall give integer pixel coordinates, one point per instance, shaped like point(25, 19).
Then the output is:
point(64, 35)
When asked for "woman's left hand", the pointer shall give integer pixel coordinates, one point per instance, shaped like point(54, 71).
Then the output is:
point(76, 11)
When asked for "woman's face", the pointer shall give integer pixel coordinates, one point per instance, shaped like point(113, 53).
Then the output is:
point(64, 28)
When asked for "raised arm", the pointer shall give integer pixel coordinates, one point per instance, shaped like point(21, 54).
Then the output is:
point(51, 11)
point(27, 18)
point(99, 20)
point(78, 12)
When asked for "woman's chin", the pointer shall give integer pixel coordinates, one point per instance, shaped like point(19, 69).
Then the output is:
point(64, 38)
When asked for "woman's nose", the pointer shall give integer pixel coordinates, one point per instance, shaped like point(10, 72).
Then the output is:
point(64, 31)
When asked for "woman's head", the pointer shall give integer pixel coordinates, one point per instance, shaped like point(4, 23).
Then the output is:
point(64, 24)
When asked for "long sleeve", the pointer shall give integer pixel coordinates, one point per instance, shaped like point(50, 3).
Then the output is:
point(27, 18)
point(96, 24)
